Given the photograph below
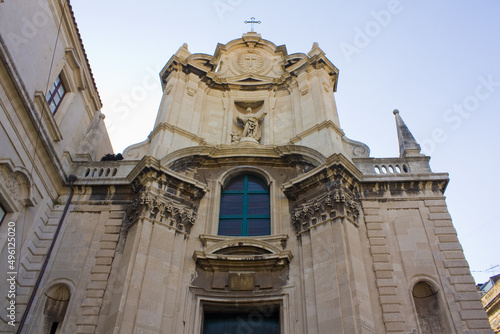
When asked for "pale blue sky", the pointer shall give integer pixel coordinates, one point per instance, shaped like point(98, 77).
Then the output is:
point(436, 61)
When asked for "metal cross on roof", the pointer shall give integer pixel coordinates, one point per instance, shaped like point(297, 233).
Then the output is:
point(252, 21)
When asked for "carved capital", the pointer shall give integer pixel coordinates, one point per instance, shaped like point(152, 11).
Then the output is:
point(338, 202)
point(161, 210)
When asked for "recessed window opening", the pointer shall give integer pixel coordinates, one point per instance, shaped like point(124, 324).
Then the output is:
point(55, 94)
point(53, 328)
point(245, 207)
point(3, 213)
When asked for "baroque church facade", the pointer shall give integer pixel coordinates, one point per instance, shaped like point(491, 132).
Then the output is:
point(246, 210)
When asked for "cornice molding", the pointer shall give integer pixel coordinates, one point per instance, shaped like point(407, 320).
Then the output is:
point(414, 185)
point(245, 149)
point(316, 128)
point(175, 129)
point(337, 166)
point(149, 171)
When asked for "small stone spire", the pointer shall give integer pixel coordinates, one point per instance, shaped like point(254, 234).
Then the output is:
point(408, 146)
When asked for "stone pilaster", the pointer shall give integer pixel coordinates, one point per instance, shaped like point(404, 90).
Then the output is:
point(325, 214)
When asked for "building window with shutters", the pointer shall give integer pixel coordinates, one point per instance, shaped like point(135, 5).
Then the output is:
point(245, 207)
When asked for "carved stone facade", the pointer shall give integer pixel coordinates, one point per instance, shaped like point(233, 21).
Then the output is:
point(333, 200)
point(246, 206)
point(164, 200)
point(491, 301)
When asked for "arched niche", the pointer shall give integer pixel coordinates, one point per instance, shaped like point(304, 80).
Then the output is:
point(15, 186)
point(430, 310)
point(55, 307)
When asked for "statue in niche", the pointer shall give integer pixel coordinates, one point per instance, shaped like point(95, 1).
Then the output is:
point(251, 124)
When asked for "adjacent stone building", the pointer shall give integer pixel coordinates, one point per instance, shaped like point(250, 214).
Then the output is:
point(246, 210)
point(490, 292)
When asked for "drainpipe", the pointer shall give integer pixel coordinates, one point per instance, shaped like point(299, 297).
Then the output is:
point(71, 179)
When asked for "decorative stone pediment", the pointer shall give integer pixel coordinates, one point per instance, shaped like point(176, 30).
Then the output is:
point(242, 263)
point(240, 253)
point(250, 61)
point(187, 161)
point(249, 55)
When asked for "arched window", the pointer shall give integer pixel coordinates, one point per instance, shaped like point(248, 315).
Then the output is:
point(244, 207)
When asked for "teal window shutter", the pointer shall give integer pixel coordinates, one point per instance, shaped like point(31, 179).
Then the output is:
point(245, 207)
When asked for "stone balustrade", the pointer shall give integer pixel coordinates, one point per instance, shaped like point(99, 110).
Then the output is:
point(102, 171)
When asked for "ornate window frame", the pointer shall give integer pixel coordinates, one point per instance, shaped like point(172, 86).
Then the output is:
point(213, 228)
point(242, 198)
